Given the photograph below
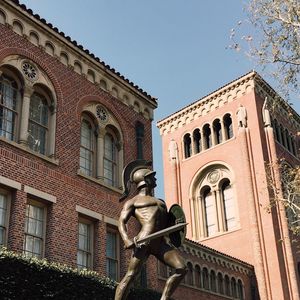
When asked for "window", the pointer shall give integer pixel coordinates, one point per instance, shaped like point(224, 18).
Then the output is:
point(227, 286)
point(233, 288)
point(110, 160)
point(205, 279)
point(220, 284)
point(85, 244)
point(27, 110)
point(197, 141)
point(217, 131)
point(38, 123)
point(207, 136)
point(197, 276)
point(187, 145)
point(213, 285)
point(209, 212)
point(189, 275)
point(4, 214)
point(35, 222)
point(101, 151)
point(228, 204)
point(214, 204)
point(8, 107)
point(87, 147)
point(228, 126)
point(112, 254)
point(139, 133)
point(240, 290)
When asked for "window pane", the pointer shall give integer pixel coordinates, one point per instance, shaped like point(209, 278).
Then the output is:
point(87, 141)
point(34, 230)
point(229, 207)
point(84, 253)
point(210, 213)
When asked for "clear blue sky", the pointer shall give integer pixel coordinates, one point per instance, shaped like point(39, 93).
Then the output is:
point(173, 49)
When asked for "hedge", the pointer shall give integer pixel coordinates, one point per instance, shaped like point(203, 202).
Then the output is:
point(32, 278)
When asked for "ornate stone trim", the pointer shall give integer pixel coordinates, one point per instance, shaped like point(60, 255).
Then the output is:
point(206, 105)
point(70, 54)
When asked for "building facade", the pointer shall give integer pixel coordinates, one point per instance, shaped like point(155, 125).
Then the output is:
point(219, 154)
point(69, 123)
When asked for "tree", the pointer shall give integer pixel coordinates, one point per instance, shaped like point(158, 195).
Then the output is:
point(275, 41)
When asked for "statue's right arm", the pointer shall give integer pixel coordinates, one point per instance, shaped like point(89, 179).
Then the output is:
point(125, 215)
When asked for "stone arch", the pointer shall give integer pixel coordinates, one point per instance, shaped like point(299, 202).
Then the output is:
point(2, 17)
point(91, 75)
point(34, 38)
point(64, 58)
point(77, 67)
point(49, 48)
point(18, 27)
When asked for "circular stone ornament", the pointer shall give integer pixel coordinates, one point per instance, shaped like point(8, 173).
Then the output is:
point(213, 176)
point(101, 113)
point(29, 71)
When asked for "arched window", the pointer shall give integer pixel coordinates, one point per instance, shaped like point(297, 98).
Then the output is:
point(240, 290)
point(187, 145)
point(197, 276)
point(233, 288)
point(213, 285)
point(228, 126)
point(228, 204)
point(9, 94)
point(227, 285)
point(189, 275)
point(87, 147)
point(205, 278)
point(38, 123)
point(110, 159)
point(207, 136)
point(217, 131)
point(209, 212)
point(197, 141)
point(220, 283)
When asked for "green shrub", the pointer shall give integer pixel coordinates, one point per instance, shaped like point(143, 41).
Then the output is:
point(32, 278)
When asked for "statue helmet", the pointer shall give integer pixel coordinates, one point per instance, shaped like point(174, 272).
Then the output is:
point(135, 172)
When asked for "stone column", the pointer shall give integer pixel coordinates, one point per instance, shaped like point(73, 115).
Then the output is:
point(173, 158)
point(28, 91)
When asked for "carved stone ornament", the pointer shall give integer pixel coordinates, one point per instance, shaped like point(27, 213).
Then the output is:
point(102, 114)
point(29, 71)
point(213, 176)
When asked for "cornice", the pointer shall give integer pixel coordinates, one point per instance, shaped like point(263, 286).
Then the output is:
point(47, 37)
point(213, 256)
point(211, 102)
point(251, 81)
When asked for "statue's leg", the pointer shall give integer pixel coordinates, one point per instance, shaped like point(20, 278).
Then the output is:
point(137, 260)
point(171, 257)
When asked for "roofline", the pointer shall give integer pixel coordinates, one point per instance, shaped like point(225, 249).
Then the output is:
point(79, 48)
point(247, 265)
point(248, 76)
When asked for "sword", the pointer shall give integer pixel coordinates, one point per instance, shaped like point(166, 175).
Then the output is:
point(139, 242)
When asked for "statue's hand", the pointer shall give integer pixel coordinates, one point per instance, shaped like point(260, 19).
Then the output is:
point(129, 244)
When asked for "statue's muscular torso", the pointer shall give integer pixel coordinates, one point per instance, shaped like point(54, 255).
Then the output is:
point(151, 213)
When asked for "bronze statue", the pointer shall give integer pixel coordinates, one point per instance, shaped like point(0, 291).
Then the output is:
point(153, 217)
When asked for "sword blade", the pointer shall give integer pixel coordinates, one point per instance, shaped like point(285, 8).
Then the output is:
point(160, 233)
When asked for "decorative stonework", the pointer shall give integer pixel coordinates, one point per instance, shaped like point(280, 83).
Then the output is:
point(212, 256)
point(69, 54)
point(29, 71)
point(213, 176)
point(206, 105)
point(102, 114)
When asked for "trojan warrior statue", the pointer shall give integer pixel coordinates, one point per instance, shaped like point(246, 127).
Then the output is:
point(161, 231)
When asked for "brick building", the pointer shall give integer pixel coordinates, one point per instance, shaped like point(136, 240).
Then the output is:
point(68, 125)
point(219, 153)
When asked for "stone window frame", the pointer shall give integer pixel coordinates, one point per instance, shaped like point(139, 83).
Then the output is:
point(91, 230)
point(109, 125)
point(113, 230)
point(12, 66)
point(212, 177)
point(8, 198)
point(39, 204)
